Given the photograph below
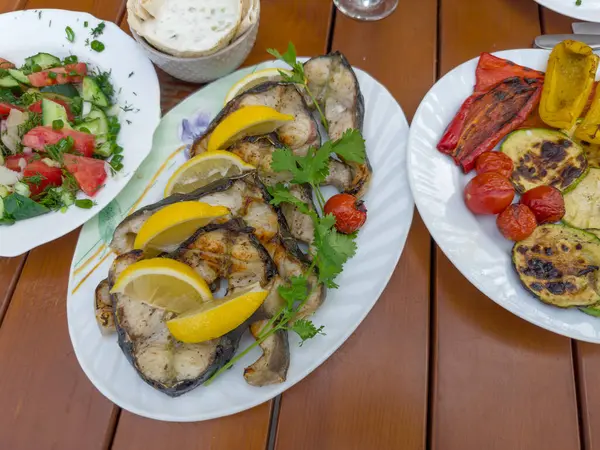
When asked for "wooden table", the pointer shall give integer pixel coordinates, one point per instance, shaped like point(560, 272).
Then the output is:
point(435, 365)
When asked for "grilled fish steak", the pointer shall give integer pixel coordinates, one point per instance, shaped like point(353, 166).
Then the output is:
point(333, 82)
point(166, 364)
point(298, 134)
point(272, 367)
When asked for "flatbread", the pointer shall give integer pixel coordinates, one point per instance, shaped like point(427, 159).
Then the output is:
point(186, 28)
point(250, 15)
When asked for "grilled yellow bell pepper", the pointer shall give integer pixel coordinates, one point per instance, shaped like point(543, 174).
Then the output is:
point(569, 80)
point(589, 129)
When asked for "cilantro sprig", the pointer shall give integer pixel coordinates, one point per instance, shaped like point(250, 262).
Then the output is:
point(330, 249)
point(298, 76)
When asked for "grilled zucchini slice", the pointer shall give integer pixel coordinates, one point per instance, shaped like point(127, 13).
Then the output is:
point(560, 265)
point(544, 157)
point(582, 204)
point(592, 153)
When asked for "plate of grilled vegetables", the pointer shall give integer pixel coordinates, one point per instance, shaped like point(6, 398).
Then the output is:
point(504, 163)
point(251, 243)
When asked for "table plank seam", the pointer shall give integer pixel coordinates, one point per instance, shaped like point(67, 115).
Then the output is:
point(111, 429)
point(11, 289)
point(273, 422)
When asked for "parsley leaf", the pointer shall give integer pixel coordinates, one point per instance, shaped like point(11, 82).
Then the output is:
point(98, 30)
point(295, 291)
point(305, 329)
point(282, 194)
point(312, 168)
point(351, 146)
point(333, 250)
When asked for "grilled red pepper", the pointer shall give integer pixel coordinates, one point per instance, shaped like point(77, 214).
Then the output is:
point(492, 116)
point(450, 138)
point(491, 70)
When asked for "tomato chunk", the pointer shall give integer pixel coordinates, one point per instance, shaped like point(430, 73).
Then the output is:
point(6, 107)
point(89, 172)
point(72, 73)
point(37, 108)
point(39, 137)
point(13, 162)
point(6, 64)
point(38, 176)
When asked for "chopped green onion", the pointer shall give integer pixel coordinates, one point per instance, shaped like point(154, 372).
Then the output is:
point(70, 34)
point(85, 130)
point(58, 124)
point(97, 46)
point(85, 24)
point(36, 68)
point(84, 203)
point(70, 60)
point(116, 158)
point(52, 75)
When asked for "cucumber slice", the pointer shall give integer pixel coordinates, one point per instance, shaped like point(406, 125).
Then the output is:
point(559, 265)
point(91, 92)
point(9, 82)
point(593, 310)
point(89, 126)
point(582, 204)
point(44, 60)
point(52, 111)
point(19, 76)
point(544, 157)
point(106, 149)
point(66, 90)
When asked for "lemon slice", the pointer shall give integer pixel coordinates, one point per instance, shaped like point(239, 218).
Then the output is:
point(173, 224)
point(253, 120)
point(164, 283)
point(218, 317)
point(204, 169)
point(254, 79)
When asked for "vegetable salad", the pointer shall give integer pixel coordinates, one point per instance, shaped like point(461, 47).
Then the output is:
point(58, 134)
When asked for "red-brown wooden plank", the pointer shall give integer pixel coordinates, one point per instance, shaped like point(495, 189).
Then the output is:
point(587, 355)
point(372, 393)
point(306, 24)
point(10, 270)
point(499, 382)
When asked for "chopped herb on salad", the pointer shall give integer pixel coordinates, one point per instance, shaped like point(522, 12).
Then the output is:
point(58, 135)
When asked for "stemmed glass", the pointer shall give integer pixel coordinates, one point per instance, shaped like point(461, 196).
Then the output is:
point(366, 9)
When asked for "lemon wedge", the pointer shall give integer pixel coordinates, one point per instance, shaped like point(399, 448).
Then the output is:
point(218, 317)
point(173, 224)
point(253, 120)
point(254, 79)
point(204, 169)
point(163, 283)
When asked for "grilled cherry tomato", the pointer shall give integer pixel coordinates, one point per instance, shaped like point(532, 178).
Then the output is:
point(516, 222)
point(494, 162)
point(489, 193)
point(546, 203)
point(350, 213)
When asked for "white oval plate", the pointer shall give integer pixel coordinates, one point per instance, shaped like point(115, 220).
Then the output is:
point(473, 243)
point(43, 30)
point(380, 244)
point(588, 10)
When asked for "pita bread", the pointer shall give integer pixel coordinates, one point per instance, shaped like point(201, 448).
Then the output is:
point(250, 14)
point(186, 28)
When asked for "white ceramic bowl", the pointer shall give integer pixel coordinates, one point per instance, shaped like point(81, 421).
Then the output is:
point(203, 68)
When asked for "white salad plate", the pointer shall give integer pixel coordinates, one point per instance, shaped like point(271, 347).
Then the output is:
point(588, 9)
point(473, 243)
point(380, 243)
point(43, 30)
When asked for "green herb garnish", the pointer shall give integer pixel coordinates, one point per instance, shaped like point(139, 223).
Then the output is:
point(57, 150)
point(98, 30)
point(84, 203)
point(52, 75)
point(58, 124)
point(97, 46)
point(70, 34)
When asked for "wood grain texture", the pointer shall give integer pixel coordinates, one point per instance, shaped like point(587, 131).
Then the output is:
point(47, 402)
point(249, 429)
point(587, 355)
point(499, 382)
point(11, 5)
point(372, 393)
point(10, 270)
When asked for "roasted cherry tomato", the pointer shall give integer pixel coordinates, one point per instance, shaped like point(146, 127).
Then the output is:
point(350, 213)
point(489, 193)
point(494, 162)
point(546, 203)
point(516, 222)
